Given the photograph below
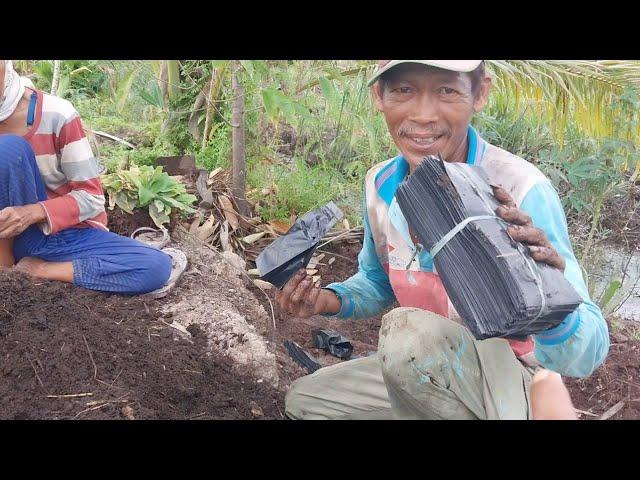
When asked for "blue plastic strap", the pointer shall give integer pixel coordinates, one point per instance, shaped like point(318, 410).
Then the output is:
point(31, 113)
point(528, 260)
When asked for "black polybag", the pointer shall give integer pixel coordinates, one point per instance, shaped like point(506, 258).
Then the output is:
point(280, 260)
point(493, 282)
point(332, 342)
point(302, 357)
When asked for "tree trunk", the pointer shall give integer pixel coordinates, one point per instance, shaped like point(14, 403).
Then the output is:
point(209, 110)
point(194, 118)
point(56, 77)
point(237, 140)
point(164, 81)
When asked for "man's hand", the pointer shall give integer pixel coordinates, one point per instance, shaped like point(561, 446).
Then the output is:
point(523, 231)
point(300, 297)
point(550, 398)
point(15, 220)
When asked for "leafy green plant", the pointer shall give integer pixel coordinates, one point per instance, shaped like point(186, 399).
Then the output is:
point(145, 186)
point(78, 78)
point(296, 189)
point(217, 152)
point(608, 295)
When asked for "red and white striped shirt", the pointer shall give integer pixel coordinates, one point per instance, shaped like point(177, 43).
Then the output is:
point(67, 166)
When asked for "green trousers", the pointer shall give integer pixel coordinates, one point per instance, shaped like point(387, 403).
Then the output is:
point(427, 367)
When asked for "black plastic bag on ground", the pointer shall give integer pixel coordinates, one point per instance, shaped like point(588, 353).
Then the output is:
point(302, 357)
point(497, 288)
point(332, 342)
point(279, 261)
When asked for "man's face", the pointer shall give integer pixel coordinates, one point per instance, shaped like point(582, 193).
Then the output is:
point(428, 110)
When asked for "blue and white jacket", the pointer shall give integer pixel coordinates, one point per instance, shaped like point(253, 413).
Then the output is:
point(575, 348)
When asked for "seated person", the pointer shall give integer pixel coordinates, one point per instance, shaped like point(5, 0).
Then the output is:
point(53, 223)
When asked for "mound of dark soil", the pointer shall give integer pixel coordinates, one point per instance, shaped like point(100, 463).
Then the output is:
point(71, 353)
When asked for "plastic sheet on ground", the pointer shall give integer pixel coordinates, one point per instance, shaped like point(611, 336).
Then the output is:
point(301, 357)
point(332, 342)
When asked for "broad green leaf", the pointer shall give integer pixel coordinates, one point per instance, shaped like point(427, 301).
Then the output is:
point(248, 66)
point(302, 111)
point(261, 66)
point(173, 77)
point(175, 203)
point(270, 103)
point(158, 217)
point(125, 203)
point(145, 196)
point(159, 205)
point(153, 96)
point(187, 198)
point(329, 91)
point(613, 287)
point(124, 89)
point(81, 69)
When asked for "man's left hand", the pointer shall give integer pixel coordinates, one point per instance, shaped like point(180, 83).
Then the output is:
point(522, 230)
point(15, 220)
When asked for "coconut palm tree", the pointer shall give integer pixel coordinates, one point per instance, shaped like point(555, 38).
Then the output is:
point(564, 91)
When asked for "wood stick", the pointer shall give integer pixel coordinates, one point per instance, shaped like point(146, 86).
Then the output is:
point(75, 395)
point(36, 372)
point(95, 368)
point(585, 413)
point(336, 237)
point(113, 137)
point(628, 383)
point(612, 411)
point(197, 416)
point(104, 402)
point(338, 255)
point(89, 409)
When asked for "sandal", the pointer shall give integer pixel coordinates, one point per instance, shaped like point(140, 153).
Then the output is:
point(179, 265)
point(157, 238)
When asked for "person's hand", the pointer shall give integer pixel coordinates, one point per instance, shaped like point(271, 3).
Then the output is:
point(15, 220)
point(522, 230)
point(300, 297)
point(550, 398)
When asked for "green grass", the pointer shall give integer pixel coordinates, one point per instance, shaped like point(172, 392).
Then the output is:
point(301, 188)
point(217, 153)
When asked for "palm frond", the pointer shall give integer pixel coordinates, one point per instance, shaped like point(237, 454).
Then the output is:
point(566, 91)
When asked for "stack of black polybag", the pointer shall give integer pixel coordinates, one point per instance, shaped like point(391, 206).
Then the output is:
point(492, 281)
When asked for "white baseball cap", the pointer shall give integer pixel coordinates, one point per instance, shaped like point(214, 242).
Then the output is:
point(453, 65)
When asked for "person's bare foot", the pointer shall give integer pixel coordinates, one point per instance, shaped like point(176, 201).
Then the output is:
point(6, 253)
point(31, 266)
point(36, 267)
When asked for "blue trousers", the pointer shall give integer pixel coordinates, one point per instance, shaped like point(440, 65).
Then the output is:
point(101, 260)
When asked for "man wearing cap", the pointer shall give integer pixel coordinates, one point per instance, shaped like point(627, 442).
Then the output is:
point(428, 365)
point(53, 223)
